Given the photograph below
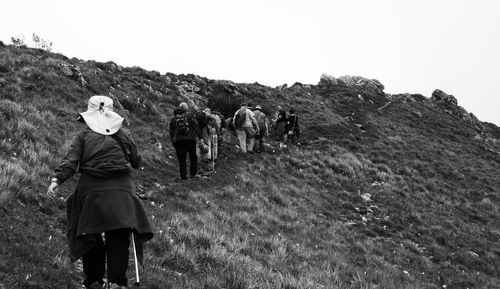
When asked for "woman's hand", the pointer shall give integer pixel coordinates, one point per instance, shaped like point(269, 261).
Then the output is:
point(51, 191)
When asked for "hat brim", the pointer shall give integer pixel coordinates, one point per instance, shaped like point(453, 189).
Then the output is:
point(105, 123)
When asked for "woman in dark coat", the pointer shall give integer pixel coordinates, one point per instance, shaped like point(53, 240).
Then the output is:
point(104, 199)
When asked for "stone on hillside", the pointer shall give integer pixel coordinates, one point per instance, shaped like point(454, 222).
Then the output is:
point(471, 118)
point(370, 85)
point(73, 71)
point(452, 107)
point(191, 97)
point(186, 86)
point(442, 97)
point(282, 87)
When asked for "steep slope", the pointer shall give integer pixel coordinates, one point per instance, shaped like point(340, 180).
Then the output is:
point(385, 191)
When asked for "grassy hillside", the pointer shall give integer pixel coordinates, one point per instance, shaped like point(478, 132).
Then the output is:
point(386, 191)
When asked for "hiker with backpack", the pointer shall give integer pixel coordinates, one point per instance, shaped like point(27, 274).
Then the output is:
point(104, 200)
point(263, 124)
point(184, 130)
point(292, 126)
point(246, 127)
point(279, 123)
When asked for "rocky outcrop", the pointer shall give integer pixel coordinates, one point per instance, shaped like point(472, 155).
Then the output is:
point(74, 72)
point(440, 97)
point(368, 85)
point(282, 87)
point(189, 92)
point(449, 104)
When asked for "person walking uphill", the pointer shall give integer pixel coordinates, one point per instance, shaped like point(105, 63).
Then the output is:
point(104, 199)
point(183, 132)
point(246, 127)
point(292, 125)
point(263, 123)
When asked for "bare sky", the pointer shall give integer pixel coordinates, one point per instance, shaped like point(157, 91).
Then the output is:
point(410, 46)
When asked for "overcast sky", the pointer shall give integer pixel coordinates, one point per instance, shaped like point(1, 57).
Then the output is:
point(410, 46)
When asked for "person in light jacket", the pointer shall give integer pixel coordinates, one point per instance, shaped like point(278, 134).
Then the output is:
point(246, 127)
point(104, 199)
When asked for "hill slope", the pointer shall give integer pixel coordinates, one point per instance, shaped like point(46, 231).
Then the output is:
point(386, 191)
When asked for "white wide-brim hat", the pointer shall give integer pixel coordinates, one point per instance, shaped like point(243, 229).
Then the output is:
point(100, 116)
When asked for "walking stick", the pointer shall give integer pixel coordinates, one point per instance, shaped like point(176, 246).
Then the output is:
point(137, 283)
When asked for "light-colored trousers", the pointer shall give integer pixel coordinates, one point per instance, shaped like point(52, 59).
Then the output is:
point(246, 137)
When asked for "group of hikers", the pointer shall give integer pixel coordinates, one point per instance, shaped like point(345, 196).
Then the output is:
point(104, 214)
point(200, 133)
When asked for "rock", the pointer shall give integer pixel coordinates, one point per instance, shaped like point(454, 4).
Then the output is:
point(189, 87)
point(471, 118)
point(73, 71)
point(370, 85)
point(282, 87)
point(449, 104)
point(417, 113)
point(441, 97)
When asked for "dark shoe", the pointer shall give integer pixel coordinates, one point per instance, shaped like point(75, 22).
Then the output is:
point(116, 286)
point(95, 285)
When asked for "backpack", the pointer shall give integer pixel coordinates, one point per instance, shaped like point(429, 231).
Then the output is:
point(240, 118)
point(261, 120)
point(202, 118)
point(182, 125)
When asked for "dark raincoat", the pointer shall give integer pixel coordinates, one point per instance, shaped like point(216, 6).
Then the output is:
point(104, 198)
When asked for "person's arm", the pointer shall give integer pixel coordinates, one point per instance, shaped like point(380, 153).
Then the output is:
point(253, 120)
point(68, 165)
point(234, 118)
point(266, 121)
point(135, 157)
point(171, 129)
point(196, 126)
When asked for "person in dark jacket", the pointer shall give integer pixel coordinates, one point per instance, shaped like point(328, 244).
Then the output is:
point(292, 126)
point(280, 121)
point(184, 130)
point(104, 199)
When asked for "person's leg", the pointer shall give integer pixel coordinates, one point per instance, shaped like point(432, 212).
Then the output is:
point(117, 243)
point(256, 146)
point(94, 263)
point(215, 148)
point(193, 158)
point(250, 135)
point(206, 138)
point(242, 138)
point(181, 151)
point(251, 143)
point(261, 140)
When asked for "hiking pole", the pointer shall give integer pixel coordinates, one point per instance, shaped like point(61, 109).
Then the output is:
point(137, 283)
point(214, 152)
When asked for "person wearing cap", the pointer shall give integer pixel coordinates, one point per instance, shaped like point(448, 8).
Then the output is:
point(263, 124)
point(104, 200)
point(247, 129)
point(185, 143)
